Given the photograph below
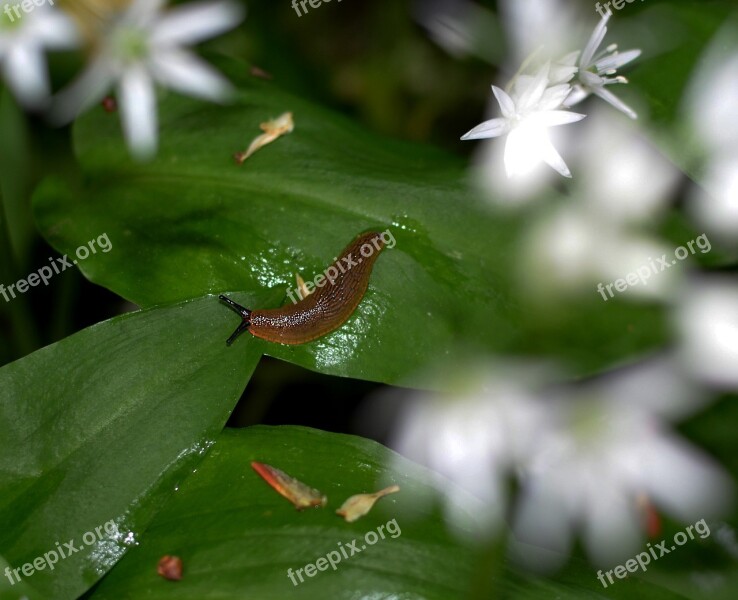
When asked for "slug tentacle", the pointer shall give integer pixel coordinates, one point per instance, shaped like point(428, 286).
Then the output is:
point(245, 315)
point(327, 308)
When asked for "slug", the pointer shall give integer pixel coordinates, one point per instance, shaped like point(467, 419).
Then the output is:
point(325, 310)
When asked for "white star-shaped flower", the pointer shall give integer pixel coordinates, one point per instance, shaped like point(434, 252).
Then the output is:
point(146, 46)
point(609, 444)
point(598, 71)
point(23, 41)
point(527, 113)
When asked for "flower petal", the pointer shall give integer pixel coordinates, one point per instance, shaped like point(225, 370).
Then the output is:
point(488, 129)
point(563, 70)
point(611, 98)
point(137, 99)
point(554, 97)
point(684, 481)
point(54, 29)
point(542, 529)
point(25, 71)
point(523, 150)
point(186, 73)
point(578, 93)
point(193, 23)
point(562, 74)
point(534, 91)
point(552, 158)
point(611, 528)
point(590, 79)
point(616, 60)
point(594, 42)
point(570, 59)
point(89, 88)
point(141, 13)
point(553, 118)
point(507, 106)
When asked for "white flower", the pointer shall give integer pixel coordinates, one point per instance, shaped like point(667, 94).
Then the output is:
point(710, 109)
point(586, 457)
point(713, 94)
point(574, 250)
point(23, 40)
point(608, 447)
point(532, 24)
point(526, 115)
point(460, 27)
point(597, 238)
point(707, 320)
point(145, 47)
point(597, 72)
point(474, 437)
point(625, 180)
point(564, 69)
point(714, 204)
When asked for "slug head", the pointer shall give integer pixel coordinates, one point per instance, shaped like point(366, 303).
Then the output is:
point(243, 312)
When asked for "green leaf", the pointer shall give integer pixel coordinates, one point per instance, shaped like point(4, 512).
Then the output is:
point(193, 222)
point(237, 537)
point(101, 426)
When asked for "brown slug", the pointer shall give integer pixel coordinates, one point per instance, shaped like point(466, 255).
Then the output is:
point(325, 310)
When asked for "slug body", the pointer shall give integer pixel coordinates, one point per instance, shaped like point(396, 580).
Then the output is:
point(327, 308)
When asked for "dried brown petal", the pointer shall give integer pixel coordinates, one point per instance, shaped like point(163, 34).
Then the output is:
point(170, 567)
point(302, 289)
point(273, 129)
point(295, 491)
point(357, 506)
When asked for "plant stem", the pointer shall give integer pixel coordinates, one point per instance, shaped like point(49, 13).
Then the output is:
point(13, 146)
point(24, 335)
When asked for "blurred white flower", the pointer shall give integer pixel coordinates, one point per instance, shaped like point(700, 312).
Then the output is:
point(526, 116)
point(145, 46)
point(624, 178)
point(713, 94)
point(23, 42)
point(475, 437)
point(573, 248)
point(596, 71)
point(549, 25)
point(714, 205)
point(461, 27)
point(608, 446)
point(584, 456)
point(707, 320)
point(710, 110)
point(595, 238)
